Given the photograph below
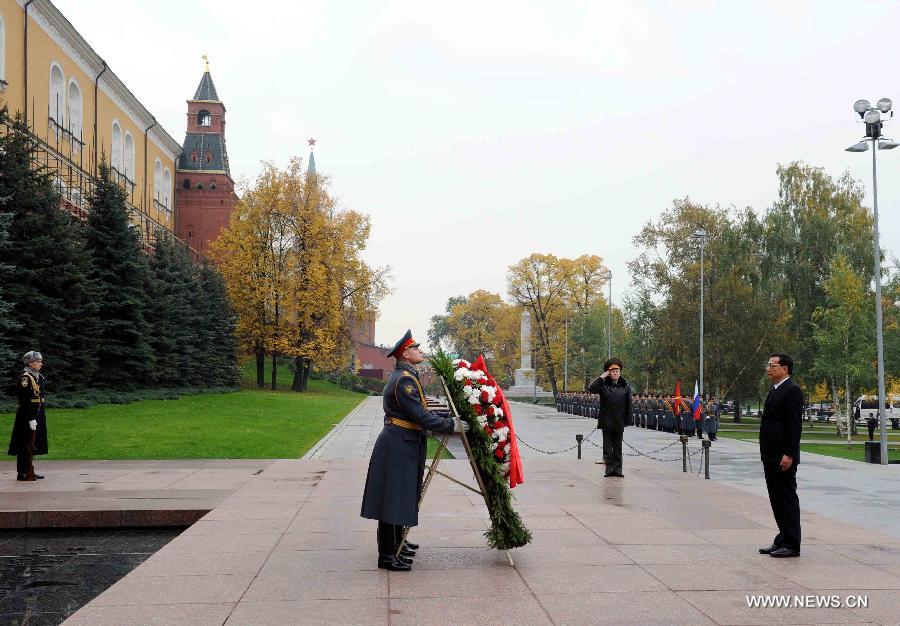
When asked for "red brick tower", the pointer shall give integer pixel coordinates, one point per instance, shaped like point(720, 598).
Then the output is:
point(204, 190)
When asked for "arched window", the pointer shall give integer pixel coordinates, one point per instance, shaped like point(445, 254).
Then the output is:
point(199, 185)
point(129, 157)
point(186, 184)
point(2, 48)
point(209, 157)
point(167, 188)
point(74, 101)
point(204, 118)
point(157, 181)
point(116, 147)
point(57, 102)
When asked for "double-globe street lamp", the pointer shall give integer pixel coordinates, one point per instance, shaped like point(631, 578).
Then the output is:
point(700, 236)
point(874, 117)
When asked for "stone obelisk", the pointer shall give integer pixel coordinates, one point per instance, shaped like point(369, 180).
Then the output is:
point(524, 376)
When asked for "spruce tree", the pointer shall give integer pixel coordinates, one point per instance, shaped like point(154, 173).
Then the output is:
point(221, 320)
point(172, 337)
point(8, 325)
point(122, 274)
point(50, 289)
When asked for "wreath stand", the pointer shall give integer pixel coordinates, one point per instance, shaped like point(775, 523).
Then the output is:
point(433, 469)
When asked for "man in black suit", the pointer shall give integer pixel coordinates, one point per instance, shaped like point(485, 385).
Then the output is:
point(779, 448)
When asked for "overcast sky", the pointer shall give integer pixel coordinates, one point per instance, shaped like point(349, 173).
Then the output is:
point(476, 133)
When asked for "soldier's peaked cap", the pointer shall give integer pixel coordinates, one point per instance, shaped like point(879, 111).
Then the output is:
point(405, 342)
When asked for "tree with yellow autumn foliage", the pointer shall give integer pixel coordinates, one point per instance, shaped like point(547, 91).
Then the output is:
point(293, 268)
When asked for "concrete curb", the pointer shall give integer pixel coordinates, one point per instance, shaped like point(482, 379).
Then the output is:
point(317, 450)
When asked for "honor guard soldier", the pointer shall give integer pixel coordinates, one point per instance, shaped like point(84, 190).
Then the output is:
point(687, 420)
point(669, 414)
point(397, 465)
point(658, 413)
point(29, 434)
point(712, 418)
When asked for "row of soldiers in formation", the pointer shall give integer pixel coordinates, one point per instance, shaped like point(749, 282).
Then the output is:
point(653, 411)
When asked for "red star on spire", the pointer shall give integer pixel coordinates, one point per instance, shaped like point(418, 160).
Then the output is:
point(311, 142)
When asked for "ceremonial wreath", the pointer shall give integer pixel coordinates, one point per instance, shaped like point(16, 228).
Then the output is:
point(480, 401)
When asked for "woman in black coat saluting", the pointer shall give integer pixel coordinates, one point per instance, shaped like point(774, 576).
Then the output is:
point(615, 408)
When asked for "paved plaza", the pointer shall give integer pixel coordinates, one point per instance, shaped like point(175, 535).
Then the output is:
point(283, 542)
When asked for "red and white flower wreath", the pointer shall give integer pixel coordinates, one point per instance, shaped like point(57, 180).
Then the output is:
point(481, 391)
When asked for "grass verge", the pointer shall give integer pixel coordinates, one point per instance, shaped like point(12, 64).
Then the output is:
point(247, 424)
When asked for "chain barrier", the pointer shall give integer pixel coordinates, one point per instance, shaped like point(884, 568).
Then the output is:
point(635, 453)
point(528, 445)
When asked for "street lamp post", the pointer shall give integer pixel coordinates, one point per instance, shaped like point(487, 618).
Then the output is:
point(566, 360)
point(609, 317)
point(699, 236)
point(874, 117)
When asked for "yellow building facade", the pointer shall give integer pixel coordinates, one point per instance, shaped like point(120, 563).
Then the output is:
point(82, 113)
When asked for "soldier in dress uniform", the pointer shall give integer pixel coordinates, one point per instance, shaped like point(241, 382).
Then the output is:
point(669, 417)
point(712, 418)
point(397, 465)
point(31, 420)
point(687, 420)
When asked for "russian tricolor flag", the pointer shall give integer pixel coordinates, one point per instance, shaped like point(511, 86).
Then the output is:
point(695, 406)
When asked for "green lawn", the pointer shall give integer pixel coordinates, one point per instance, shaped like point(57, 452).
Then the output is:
point(856, 453)
point(432, 448)
point(250, 423)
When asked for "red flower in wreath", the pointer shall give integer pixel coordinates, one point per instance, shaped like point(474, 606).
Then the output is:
point(477, 408)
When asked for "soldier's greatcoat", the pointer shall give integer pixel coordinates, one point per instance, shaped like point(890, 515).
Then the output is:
point(30, 391)
point(394, 481)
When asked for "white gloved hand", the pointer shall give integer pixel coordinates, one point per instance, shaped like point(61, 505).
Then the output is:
point(33, 424)
point(460, 426)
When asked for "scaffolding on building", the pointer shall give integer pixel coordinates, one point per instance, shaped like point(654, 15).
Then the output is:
point(61, 153)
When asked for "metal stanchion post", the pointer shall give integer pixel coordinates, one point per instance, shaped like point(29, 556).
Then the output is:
point(684, 441)
point(707, 444)
point(579, 439)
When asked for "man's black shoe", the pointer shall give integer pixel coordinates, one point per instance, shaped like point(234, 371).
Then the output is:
point(405, 560)
point(769, 550)
point(407, 553)
point(783, 553)
point(393, 564)
point(38, 477)
point(618, 474)
point(21, 477)
point(412, 546)
point(609, 475)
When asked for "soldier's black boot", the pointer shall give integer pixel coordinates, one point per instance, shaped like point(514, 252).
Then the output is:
point(387, 548)
point(408, 551)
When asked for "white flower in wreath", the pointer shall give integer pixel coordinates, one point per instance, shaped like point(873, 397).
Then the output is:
point(502, 433)
point(498, 412)
point(465, 363)
point(460, 373)
point(491, 392)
